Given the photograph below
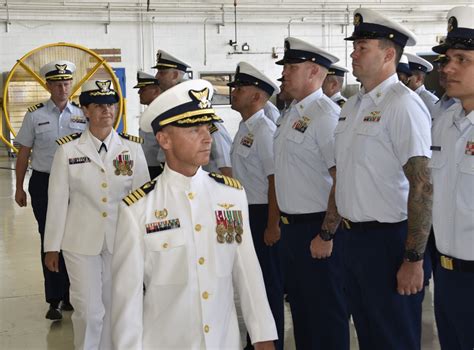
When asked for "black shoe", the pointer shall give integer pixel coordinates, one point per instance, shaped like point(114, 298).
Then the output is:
point(54, 314)
point(66, 306)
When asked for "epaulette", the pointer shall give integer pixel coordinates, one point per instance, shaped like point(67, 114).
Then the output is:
point(213, 128)
point(68, 138)
point(35, 107)
point(341, 102)
point(75, 104)
point(132, 138)
point(139, 193)
point(228, 181)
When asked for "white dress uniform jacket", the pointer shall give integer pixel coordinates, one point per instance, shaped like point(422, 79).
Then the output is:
point(220, 149)
point(252, 156)
point(428, 98)
point(167, 241)
point(43, 125)
point(84, 193)
point(304, 151)
point(452, 166)
point(377, 133)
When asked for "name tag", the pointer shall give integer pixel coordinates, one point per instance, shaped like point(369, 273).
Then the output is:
point(342, 119)
point(78, 119)
point(79, 160)
point(162, 225)
point(44, 123)
point(435, 148)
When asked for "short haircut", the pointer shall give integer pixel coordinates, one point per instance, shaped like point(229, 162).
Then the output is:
point(387, 43)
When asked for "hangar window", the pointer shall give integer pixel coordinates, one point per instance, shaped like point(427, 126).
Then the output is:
point(221, 90)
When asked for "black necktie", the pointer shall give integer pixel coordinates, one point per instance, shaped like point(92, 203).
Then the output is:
point(102, 146)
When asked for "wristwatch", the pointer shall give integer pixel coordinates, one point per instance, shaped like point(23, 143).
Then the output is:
point(326, 235)
point(413, 256)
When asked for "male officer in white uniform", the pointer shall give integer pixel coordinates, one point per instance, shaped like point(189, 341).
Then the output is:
point(419, 68)
point(253, 165)
point(171, 71)
point(149, 89)
point(304, 179)
point(186, 237)
point(382, 151)
point(333, 83)
point(452, 167)
point(42, 125)
point(91, 173)
point(444, 101)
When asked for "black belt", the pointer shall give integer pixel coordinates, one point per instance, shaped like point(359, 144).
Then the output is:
point(40, 173)
point(288, 219)
point(453, 264)
point(366, 225)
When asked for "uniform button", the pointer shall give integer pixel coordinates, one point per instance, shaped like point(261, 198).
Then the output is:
point(104, 200)
point(206, 329)
point(201, 261)
point(104, 214)
point(165, 245)
point(191, 195)
point(102, 170)
point(104, 184)
point(205, 295)
point(197, 227)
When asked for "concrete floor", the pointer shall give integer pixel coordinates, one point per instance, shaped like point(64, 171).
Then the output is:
point(22, 306)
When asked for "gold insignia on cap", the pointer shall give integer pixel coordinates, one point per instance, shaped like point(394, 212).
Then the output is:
point(104, 86)
point(158, 57)
point(161, 214)
point(61, 68)
point(225, 205)
point(357, 19)
point(202, 97)
point(452, 23)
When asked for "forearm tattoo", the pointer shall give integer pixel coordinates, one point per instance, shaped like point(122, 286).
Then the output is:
point(420, 202)
point(332, 218)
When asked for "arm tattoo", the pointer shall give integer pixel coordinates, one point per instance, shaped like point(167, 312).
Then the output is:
point(332, 218)
point(420, 202)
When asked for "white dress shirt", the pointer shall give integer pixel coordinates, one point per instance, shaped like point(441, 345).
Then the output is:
point(304, 151)
point(452, 167)
point(252, 156)
point(428, 98)
point(377, 133)
point(189, 276)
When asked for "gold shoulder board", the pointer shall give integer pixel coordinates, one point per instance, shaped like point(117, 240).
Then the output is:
point(132, 138)
point(228, 181)
point(139, 193)
point(35, 107)
point(68, 138)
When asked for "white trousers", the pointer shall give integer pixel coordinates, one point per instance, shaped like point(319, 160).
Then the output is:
point(90, 293)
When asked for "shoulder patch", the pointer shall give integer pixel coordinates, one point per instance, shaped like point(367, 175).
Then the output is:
point(228, 181)
point(68, 138)
point(132, 138)
point(213, 128)
point(35, 107)
point(139, 193)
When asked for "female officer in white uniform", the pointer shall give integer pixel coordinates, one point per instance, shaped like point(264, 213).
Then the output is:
point(91, 173)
